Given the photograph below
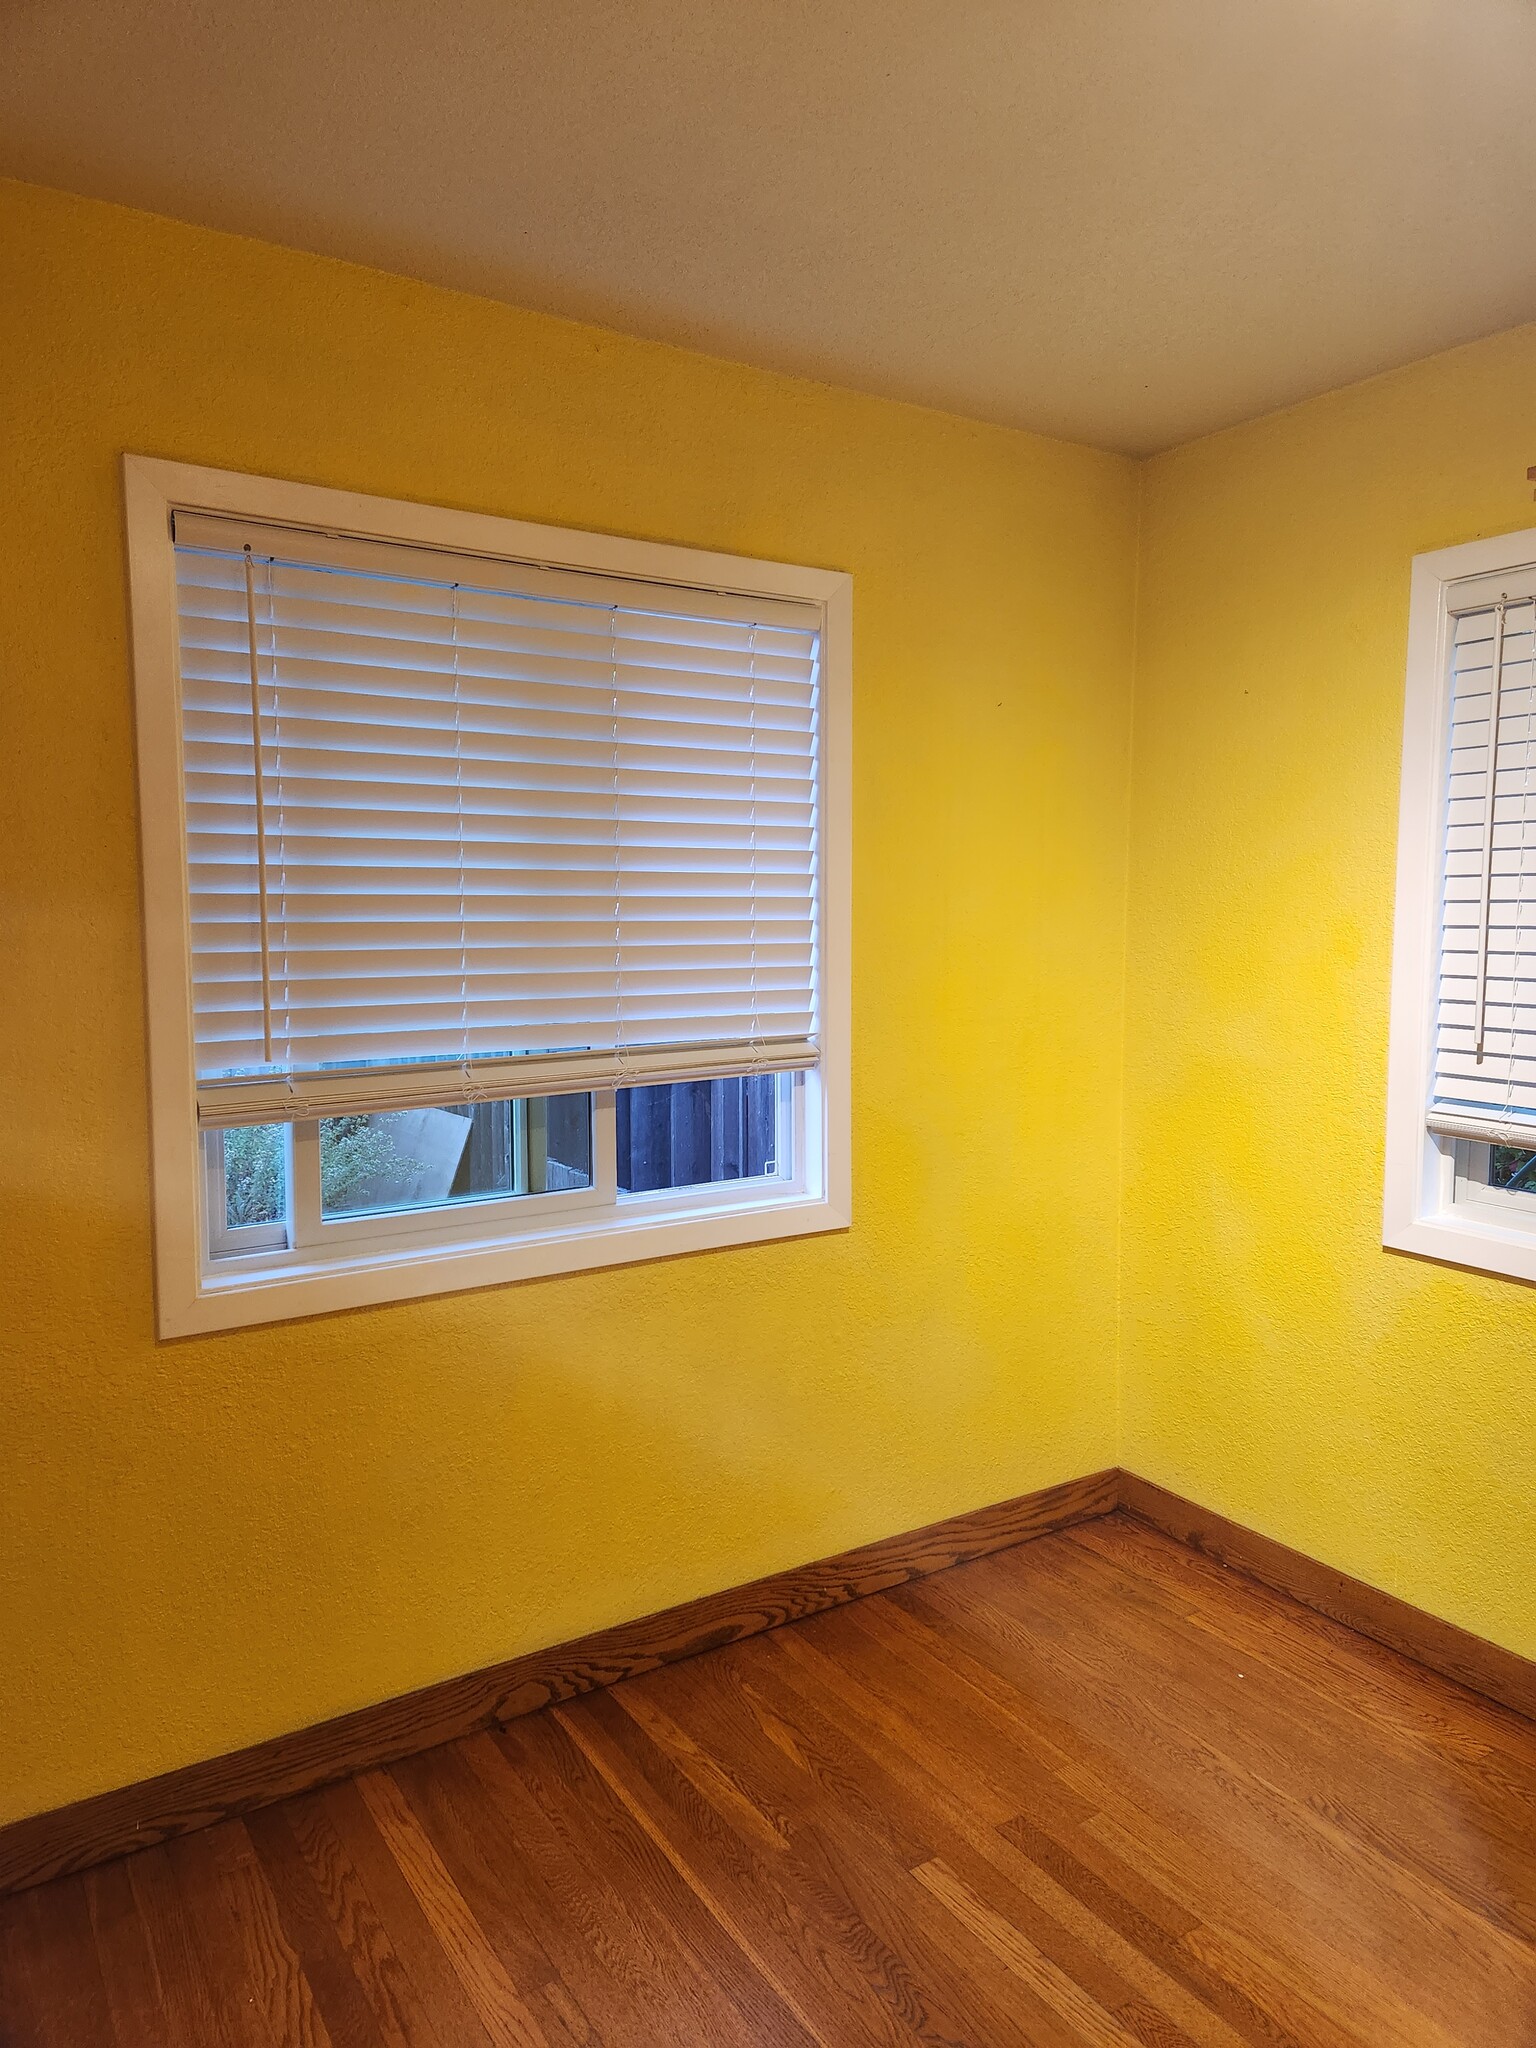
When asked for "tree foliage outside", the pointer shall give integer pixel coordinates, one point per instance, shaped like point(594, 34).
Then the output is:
point(354, 1150)
point(253, 1175)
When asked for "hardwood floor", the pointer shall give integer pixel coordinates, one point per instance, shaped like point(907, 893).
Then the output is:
point(1093, 1790)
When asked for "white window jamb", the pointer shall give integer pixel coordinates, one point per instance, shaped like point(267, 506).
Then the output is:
point(1430, 1205)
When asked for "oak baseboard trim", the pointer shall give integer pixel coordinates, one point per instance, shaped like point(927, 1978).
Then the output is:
point(1501, 1675)
point(115, 1823)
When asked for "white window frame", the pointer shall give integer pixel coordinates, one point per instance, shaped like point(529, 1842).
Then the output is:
point(197, 1291)
point(1433, 1205)
point(1509, 1206)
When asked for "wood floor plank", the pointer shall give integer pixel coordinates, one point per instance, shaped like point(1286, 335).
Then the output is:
point(502, 2011)
point(1359, 1674)
point(736, 1928)
point(501, 1879)
point(548, 1767)
point(1481, 1756)
point(254, 1974)
point(340, 1973)
point(134, 1998)
point(1095, 1792)
point(192, 2017)
point(51, 1989)
point(841, 1857)
point(1093, 2025)
point(533, 1896)
point(1368, 1906)
point(1105, 1775)
point(332, 1920)
point(1296, 1734)
point(1114, 1896)
point(341, 1810)
point(1404, 1832)
point(801, 1942)
point(1197, 2008)
point(772, 1826)
point(954, 1978)
point(959, 1741)
point(854, 1829)
point(1318, 1970)
point(1353, 1919)
point(802, 1918)
point(821, 1759)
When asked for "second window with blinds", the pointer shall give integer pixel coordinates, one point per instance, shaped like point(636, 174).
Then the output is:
point(1461, 1109)
point(496, 896)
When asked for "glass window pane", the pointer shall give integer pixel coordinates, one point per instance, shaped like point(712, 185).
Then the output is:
point(1509, 1167)
point(559, 1143)
point(688, 1134)
point(255, 1175)
point(470, 1152)
point(488, 1163)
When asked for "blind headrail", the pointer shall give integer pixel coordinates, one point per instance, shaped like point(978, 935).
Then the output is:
point(1516, 1131)
point(213, 533)
point(229, 1102)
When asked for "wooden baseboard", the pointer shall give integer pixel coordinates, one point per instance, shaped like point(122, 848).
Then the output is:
point(137, 1816)
point(1500, 1675)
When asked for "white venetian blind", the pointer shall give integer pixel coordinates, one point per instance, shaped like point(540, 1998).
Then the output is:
point(1485, 1045)
point(461, 829)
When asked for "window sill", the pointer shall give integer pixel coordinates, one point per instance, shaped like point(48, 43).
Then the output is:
point(269, 1295)
point(1460, 1237)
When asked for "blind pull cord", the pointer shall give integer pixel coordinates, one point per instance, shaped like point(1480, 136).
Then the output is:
point(1496, 687)
point(755, 1029)
point(262, 900)
point(621, 1061)
point(1520, 880)
point(282, 1002)
point(471, 1087)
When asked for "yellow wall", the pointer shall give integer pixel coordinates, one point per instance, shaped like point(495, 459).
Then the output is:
point(1372, 1409)
point(205, 1542)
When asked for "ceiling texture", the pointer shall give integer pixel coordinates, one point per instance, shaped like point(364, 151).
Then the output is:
point(1125, 222)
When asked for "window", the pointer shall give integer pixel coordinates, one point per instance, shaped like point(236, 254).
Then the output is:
point(1461, 1101)
point(496, 891)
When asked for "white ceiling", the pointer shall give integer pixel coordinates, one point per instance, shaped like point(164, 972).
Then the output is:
point(1122, 221)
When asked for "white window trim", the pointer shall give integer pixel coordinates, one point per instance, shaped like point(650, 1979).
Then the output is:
point(1428, 1208)
point(190, 1296)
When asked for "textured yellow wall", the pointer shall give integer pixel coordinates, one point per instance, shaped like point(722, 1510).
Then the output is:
point(208, 1541)
point(1374, 1410)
